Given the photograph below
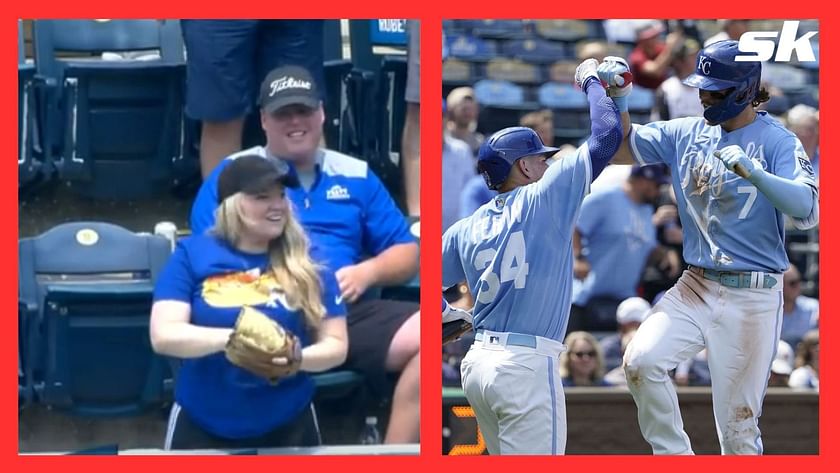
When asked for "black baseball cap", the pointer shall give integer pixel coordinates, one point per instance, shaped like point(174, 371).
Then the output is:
point(288, 85)
point(654, 172)
point(253, 174)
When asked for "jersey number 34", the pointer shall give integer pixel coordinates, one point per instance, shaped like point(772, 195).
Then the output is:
point(513, 268)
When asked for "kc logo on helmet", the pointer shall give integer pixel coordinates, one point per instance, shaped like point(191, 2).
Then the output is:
point(762, 49)
point(704, 65)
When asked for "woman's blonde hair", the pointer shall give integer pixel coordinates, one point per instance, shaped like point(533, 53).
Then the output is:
point(573, 337)
point(288, 254)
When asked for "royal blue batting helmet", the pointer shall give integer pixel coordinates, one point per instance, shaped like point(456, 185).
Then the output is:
point(498, 153)
point(718, 70)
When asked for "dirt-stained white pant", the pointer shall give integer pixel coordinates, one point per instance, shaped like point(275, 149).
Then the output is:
point(740, 328)
point(516, 395)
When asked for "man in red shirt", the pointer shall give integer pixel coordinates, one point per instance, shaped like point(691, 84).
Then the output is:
point(650, 60)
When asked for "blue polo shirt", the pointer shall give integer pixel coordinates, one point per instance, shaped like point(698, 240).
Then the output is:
point(217, 280)
point(348, 213)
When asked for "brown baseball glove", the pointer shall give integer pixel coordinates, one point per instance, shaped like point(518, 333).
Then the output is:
point(257, 340)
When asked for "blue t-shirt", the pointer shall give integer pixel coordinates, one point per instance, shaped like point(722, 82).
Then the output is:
point(804, 317)
point(217, 280)
point(618, 233)
point(727, 223)
point(347, 213)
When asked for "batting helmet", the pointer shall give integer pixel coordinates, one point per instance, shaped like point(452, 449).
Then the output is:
point(498, 153)
point(717, 70)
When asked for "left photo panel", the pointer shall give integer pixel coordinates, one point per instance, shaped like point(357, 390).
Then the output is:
point(218, 237)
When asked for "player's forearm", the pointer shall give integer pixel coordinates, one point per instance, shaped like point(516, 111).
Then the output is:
point(606, 132)
point(793, 198)
point(185, 340)
point(395, 265)
point(624, 155)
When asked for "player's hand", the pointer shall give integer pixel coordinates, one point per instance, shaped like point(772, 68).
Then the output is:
point(664, 214)
point(451, 314)
point(353, 281)
point(586, 72)
point(615, 76)
point(581, 268)
point(737, 161)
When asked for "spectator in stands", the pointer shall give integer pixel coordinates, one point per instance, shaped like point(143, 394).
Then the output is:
point(782, 366)
point(694, 371)
point(348, 214)
point(257, 255)
point(411, 127)
point(226, 59)
point(462, 109)
point(541, 121)
point(729, 29)
point(801, 313)
point(615, 229)
point(458, 164)
point(650, 61)
point(804, 121)
point(807, 372)
point(592, 49)
point(629, 315)
point(582, 364)
point(617, 376)
point(673, 98)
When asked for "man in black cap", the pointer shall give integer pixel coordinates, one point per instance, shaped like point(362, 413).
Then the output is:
point(356, 230)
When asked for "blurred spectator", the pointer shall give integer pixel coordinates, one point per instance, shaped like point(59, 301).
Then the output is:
point(804, 121)
point(593, 49)
point(411, 127)
point(675, 99)
point(582, 364)
point(629, 315)
point(782, 366)
point(359, 232)
point(801, 313)
point(615, 228)
point(474, 195)
point(541, 121)
point(729, 29)
point(694, 371)
point(227, 60)
point(463, 117)
point(617, 376)
point(650, 60)
point(807, 372)
point(458, 164)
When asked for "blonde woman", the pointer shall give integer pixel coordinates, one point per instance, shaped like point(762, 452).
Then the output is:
point(582, 364)
point(257, 255)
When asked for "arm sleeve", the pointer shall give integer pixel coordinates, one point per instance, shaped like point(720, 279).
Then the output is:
point(789, 183)
point(606, 134)
point(331, 296)
point(385, 225)
point(177, 280)
point(452, 269)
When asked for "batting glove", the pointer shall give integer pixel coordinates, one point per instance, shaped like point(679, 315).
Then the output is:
point(737, 161)
point(451, 314)
point(586, 72)
point(615, 75)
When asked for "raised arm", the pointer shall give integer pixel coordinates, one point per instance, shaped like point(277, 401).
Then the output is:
point(615, 73)
point(606, 131)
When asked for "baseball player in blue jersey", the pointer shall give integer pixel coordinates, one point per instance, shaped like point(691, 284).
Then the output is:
point(515, 253)
point(735, 172)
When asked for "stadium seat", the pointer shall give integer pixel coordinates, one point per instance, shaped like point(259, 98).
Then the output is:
point(555, 95)
point(535, 50)
point(30, 168)
point(335, 71)
point(87, 349)
point(469, 48)
point(115, 126)
point(457, 72)
point(501, 29)
point(640, 100)
point(569, 30)
point(409, 291)
point(498, 93)
point(513, 70)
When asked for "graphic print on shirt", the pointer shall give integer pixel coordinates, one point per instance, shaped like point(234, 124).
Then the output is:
point(251, 287)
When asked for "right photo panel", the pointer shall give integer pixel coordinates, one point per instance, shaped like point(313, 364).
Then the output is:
point(630, 248)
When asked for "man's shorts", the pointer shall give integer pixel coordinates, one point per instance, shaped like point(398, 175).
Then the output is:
point(371, 326)
point(412, 85)
point(228, 59)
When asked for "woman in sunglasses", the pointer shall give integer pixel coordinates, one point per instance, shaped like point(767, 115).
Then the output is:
point(582, 364)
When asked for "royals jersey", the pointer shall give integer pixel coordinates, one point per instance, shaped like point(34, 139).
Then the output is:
point(728, 224)
point(515, 252)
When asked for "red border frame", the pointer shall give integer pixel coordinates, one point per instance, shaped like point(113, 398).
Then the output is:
point(430, 13)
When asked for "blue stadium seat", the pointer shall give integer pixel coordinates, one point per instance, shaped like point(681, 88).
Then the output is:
point(569, 30)
point(115, 126)
point(470, 48)
point(498, 93)
point(30, 167)
point(501, 29)
point(556, 95)
point(536, 50)
point(640, 100)
point(87, 349)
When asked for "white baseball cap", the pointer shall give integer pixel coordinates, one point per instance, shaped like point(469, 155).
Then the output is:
point(633, 309)
point(783, 363)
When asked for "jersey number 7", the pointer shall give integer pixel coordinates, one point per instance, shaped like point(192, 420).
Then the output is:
point(513, 268)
